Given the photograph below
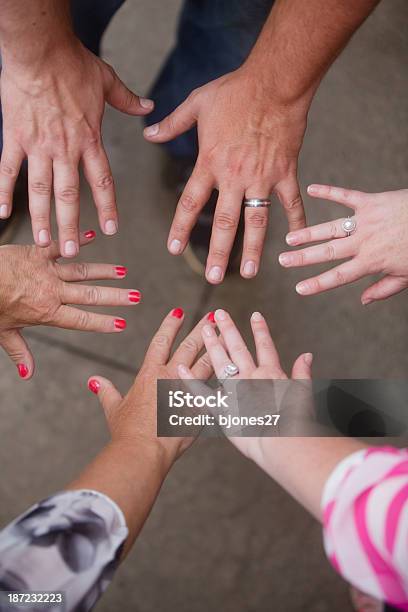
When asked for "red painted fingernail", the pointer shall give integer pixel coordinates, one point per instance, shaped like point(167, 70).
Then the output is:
point(121, 271)
point(135, 296)
point(22, 370)
point(211, 317)
point(178, 313)
point(120, 323)
point(94, 386)
point(90, 234)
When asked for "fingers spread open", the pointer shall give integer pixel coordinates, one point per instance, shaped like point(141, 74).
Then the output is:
point(336, 277)
point(195, 195)
point(302, 368)
point(266, 352)
point(66, 190)
point(348, 197)
point(108, 395)
point(99, 176)
point(39, 193)
point(85, 238)
point(68, 317)
point(89, 295)
point(179, 121)
point(320, 253)
point(234, 342)
point(289, 196)
point(160, 347)
point(16, 347)
point(191, 346)
point(11, 159)
point(80, 272)
point(384, 288)
point(315, 233)
point(225, 226)
point(256, 223)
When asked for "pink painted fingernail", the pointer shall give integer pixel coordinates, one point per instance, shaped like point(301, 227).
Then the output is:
point(22, 370)
point(178, 313)
point(121, 271)
point(152, 130)
point(90, 234)
point(120, 324)
point(211, 317)
point(135, 296)
point(94, 386)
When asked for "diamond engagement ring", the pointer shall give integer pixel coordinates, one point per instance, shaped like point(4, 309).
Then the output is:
point(349, 225)
point(230, 370)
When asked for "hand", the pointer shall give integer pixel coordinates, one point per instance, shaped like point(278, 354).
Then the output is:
point(248, 147)
point(132, 419)
point(230, 347)
point(52, 114)
point(379, 244)
point(36, 290)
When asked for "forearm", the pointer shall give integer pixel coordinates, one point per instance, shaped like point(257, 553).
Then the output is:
point(299, 42)
point(303, 465)
point(131, 477)
point(31, 29)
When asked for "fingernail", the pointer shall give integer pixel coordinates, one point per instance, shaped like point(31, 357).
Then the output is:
point(175, 247)
point(152, 130)
point(178, 313)
point(121, 271)
point(146, 103)
point(308, 358)
point(111, 227)
point(120, 323)
point(208, 331)
point(291, 239)
point(94, 386)
point(256, 316)
point(182, 370)
point(215, 274)
point(220, 315)
point(135, 296)
point(285, 259)
point(22, 370)
point(90, 234)
point(250, 268)
point(302, 288)
point(366, 301)
point(211, 317)
point(70, 248)
point(4, 211)
point(311, 189)
point(43, 236)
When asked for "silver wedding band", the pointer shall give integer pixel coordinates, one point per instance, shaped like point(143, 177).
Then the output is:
point(230, 370)
point(349, 226)
point(257, 202)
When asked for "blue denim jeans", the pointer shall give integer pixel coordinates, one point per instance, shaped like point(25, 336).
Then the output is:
point(213, 38)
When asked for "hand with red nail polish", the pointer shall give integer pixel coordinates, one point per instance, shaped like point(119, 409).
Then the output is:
point(37, 289)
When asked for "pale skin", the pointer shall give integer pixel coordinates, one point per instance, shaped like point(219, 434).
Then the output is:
point(53, 94)
point(379, 245)
point(251, 125)
point(301, 465)
point(133, 466)
point(38, 289)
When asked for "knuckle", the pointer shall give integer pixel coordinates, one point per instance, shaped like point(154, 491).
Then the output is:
point(128, 99)
point(253, 249)
point(41, 188)
point(190, 345)
point(180, 229)
point(92, 295)
point(83, 319)
point(205, 361)
point(161, 340)
point(8, 170)
point(105, 182)
point(68, 195)
point(257, 220)
point(69, 228)
point(81, 271)
point(340, 277)
point(300, 258)
point(40, 218)
point(188, 203)
point(219, 254)
point(294, 203)
point(225, 221)
point(333, 230)
point(108, 209)
point(330, 252)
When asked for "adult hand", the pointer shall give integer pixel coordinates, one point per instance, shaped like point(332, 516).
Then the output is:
point(230, 347)
point(36, 290)
point(248, 147)
point(379, 244)
point(132, 419)
point(52, 115)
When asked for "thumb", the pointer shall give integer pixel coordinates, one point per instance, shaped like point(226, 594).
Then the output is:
point(178, 122)
point(302, 368)
point(122, 98)
point(108, 395)
point(17, 349)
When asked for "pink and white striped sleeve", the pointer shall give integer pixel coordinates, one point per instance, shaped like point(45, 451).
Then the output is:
point(365, 518)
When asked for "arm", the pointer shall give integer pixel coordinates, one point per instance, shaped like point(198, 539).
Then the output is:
point(53, 93)
point(251, 125)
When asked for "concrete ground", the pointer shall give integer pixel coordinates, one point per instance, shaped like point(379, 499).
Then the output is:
point(221, 536)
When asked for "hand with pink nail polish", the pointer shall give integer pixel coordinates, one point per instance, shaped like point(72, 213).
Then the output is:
point(374, 240)
point(39, 290)
point(53, 95)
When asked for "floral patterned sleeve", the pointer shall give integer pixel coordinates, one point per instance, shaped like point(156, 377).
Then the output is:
point(68, 543)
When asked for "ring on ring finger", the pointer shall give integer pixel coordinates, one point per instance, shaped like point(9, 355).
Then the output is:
point(349, 225)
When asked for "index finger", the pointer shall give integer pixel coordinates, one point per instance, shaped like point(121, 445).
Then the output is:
point(348, 197)
point(192, 345)
point(160, 347)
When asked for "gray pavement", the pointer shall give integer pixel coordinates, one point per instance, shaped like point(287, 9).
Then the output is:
point(222, 536)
